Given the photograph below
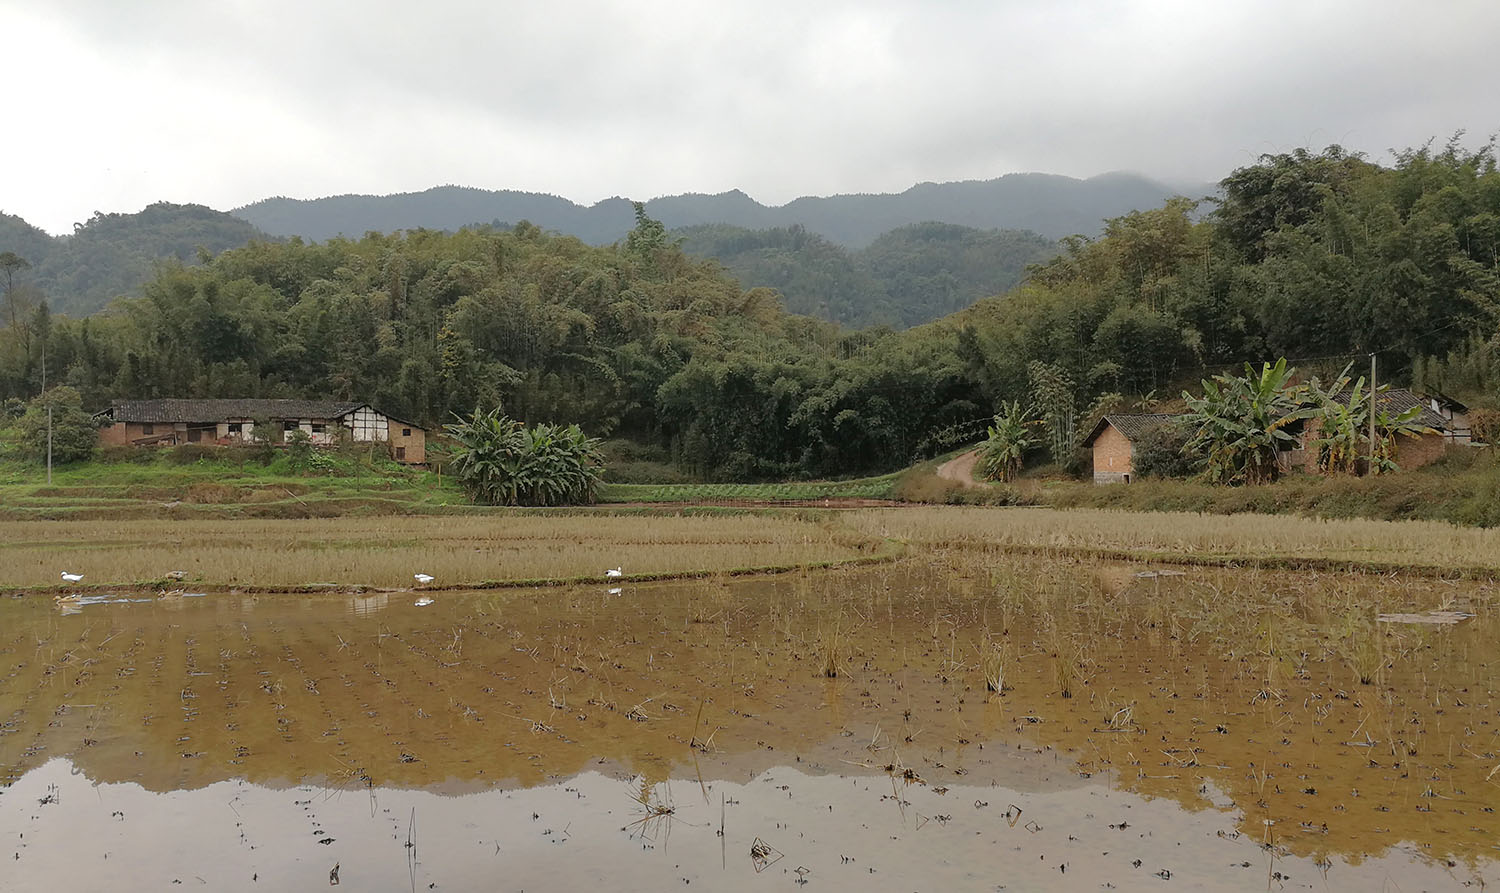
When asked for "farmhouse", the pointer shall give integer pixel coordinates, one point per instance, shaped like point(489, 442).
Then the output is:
point(1438, 416)
point(1113, 441)
point(224, 422)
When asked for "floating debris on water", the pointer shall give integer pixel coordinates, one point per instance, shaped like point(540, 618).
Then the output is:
point(1442, 618)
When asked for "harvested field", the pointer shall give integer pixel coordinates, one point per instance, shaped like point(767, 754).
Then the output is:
point(958, 718)
point(1245, 539)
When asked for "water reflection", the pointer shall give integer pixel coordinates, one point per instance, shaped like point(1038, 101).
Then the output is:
point(366, 604)
point(603, 830)
point(1213, 689)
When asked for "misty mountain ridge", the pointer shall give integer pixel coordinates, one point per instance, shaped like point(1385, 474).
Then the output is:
point(1050, 205)
point(858, 259)
point(112, 255)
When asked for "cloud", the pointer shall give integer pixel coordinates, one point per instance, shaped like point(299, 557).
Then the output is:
point(226, 103)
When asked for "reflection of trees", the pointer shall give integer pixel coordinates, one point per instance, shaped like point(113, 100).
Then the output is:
point(1217, 676)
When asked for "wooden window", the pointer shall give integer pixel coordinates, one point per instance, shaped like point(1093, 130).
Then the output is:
point(148, 429)
point(317, 428)
point(405, 432)
point(195, 435)
point(400, 453)
point(235, 427)
point(289, 425)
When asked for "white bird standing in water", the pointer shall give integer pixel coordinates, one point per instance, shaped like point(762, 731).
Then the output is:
point(72, 578)
point(614, 572)
point(423, 579)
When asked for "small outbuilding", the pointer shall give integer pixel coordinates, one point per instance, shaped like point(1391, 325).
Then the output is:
point(1113, 442)
point(168, 422)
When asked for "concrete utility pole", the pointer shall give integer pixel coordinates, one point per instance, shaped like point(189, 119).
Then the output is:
point(49, 414)
point(1372, 412)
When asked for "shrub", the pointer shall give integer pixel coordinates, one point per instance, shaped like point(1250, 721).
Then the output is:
point(499, 461)
point(1163, 453)
point(74, 434)
point(299, 449)
point(125, 454)
point(188, 453)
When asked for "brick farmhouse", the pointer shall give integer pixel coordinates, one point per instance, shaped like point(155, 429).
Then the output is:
point(1114, 438)
point(1410, 452)
point(1113, 442)
point(223, 422)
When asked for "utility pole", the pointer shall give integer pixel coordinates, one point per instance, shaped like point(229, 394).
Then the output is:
point(49, 413)
point(1372, 412)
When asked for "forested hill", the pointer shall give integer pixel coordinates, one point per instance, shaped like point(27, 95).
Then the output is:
point(910, 275)
point(1053, 206)
point(113, 254)
point(1317, 257)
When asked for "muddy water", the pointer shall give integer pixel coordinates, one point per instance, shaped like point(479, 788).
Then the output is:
point(1216, 731)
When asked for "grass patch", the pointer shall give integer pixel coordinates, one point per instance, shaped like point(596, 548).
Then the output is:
point(220, 482)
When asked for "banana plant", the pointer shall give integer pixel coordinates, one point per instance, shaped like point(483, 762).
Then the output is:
point(499, 461)
point(1009, 438)
point(1241, 422)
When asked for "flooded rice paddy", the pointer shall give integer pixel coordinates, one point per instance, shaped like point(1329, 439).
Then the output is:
point(839, 729)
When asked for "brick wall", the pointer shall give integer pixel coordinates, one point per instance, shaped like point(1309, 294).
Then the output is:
point(125, 433)
point(1112, 453)
point(412, 446)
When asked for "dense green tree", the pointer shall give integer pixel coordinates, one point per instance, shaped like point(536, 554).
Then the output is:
point(73, 432)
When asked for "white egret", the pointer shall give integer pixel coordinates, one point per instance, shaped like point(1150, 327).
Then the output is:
point(423, 579)
point(614, 572)
point(72, 578)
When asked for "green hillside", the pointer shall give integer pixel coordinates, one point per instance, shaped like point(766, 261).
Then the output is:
point(112, 255)
point(910, 275)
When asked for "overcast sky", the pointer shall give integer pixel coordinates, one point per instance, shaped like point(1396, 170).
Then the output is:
point(113, 104)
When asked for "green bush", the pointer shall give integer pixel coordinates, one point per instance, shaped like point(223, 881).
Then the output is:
point(189, 453)
point(299, 449)
point(499, 461)
point(74, 433)
point(1163, 453)
point(124, 454)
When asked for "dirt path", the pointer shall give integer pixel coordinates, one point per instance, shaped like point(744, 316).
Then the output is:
point(960, 469)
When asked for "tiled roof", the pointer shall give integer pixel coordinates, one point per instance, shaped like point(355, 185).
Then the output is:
point(1398, 400)
point(1133, 425)
point(171, 410)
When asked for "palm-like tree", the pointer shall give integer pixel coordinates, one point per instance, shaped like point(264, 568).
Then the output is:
point(499, 461)
point(1240, 422)
point(1009, 439)
point(1344, 424)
